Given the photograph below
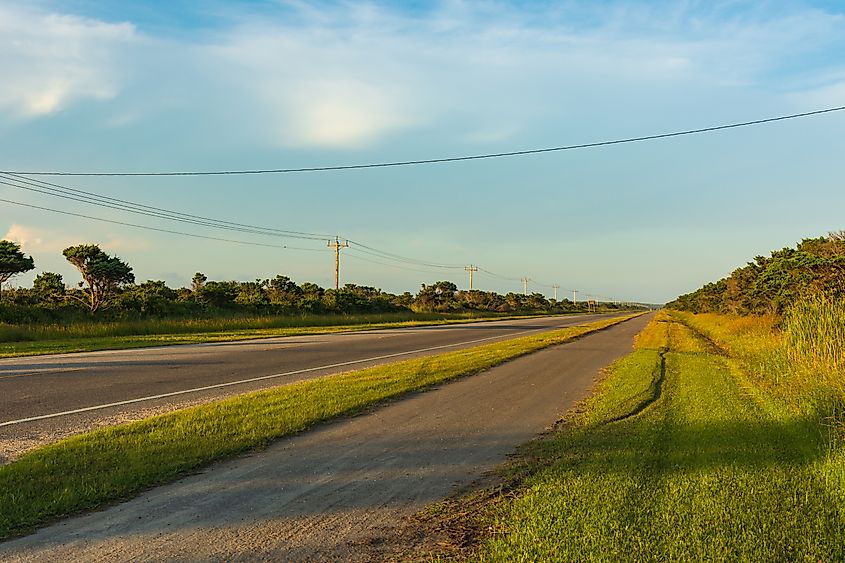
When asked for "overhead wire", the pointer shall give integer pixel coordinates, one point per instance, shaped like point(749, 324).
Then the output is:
point(91, 198)
point(227, 240)
point(357, 247)
point(398, 266)
point(449, 158)
point(147, 227)
point(388, 255)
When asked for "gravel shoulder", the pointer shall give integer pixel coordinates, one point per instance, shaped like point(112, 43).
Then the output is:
point(336, 492)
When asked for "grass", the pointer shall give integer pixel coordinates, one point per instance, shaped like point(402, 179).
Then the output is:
point(17, 340)
point(799, 359)
point(86, 471)
point(679, 456)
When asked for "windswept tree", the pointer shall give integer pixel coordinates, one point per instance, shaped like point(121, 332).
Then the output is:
point(103, 274)
point(12, 262)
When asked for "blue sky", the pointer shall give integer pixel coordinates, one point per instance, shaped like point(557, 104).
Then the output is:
point(156, 86)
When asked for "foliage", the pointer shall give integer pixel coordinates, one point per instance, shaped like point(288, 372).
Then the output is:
point(113, 295)
point(48, 288)
point(770, 285)
point(102, 273)
point(12, 261)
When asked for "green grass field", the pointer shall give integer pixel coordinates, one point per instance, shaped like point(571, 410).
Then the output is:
point(678, 457)
point(88, 470)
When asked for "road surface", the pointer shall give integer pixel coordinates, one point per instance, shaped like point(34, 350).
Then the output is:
point(336, 492)
point(45, 398)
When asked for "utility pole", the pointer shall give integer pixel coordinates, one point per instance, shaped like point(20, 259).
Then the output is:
point(555, 287)
point(525, 285)
point(337, 245)
point(574, 296)
point(470, 269)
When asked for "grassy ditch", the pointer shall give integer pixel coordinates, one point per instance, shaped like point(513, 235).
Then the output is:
point(678, 457)
point(114, 463)
point(59, 339)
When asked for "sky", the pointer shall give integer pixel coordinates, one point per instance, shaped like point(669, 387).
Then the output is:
point(149, 86)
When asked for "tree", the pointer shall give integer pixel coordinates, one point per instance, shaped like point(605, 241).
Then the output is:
point(283, 291)
point(437, 297)
point(102, 273)
point(153, 297)
point(49, 288)
point(218, 294)
point(252, 294)
point(198, 281)
point(12, 262)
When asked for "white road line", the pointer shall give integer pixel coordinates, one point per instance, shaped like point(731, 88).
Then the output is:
point(261, 378)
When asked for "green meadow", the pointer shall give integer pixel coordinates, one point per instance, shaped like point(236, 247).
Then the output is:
point(687, 452)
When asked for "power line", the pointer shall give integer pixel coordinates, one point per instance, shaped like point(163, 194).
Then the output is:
point(495, 275)
point(91, 198)
point(194, 235)
point(220, 239)
point(398, 266)
point(388, 255)
point(444, 159)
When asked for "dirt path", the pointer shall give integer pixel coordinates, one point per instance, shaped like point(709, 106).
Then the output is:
point(332, 493)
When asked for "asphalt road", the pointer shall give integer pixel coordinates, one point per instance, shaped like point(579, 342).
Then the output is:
point(44, 398)
point(340, 492)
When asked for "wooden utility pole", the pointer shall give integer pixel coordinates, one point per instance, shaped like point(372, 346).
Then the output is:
point(337, 245)
point(555, 287)
point(470, 269)
point(525, 285)
point(574, 296)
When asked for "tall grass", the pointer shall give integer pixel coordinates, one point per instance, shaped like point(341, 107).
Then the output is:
point(800, 358)
point(815, 337)
point(93, 329)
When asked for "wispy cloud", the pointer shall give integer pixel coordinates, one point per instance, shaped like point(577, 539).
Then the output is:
point(50, 60)
point(351, 74)
point(37, 240)
point(46, 241)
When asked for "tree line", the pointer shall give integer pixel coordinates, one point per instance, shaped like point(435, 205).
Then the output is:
point(108, 291)
point(772, 284)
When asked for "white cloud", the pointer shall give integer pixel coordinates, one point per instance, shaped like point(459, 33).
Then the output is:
point(24, 236)
point(340, 113)
point(37, 240)
point(50, 60)
point(46, 241)
point(830, 93)
point(353, 74)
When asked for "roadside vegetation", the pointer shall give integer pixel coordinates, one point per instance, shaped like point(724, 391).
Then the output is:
point(107, 309)
point(783, 318)
point(679, 456)
point(86, 337)
point(86, 471)
point(721, 437)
